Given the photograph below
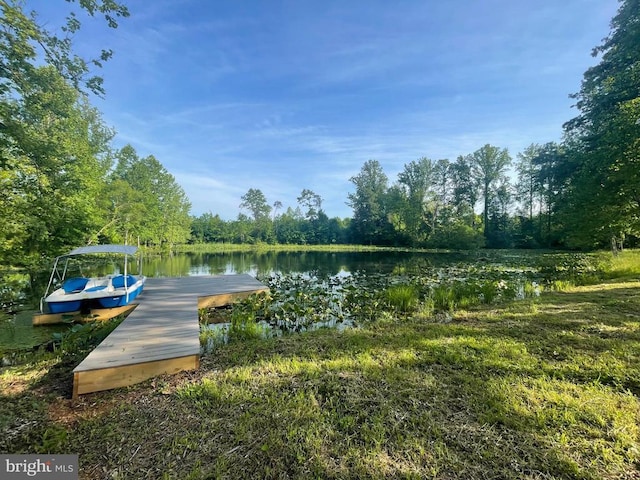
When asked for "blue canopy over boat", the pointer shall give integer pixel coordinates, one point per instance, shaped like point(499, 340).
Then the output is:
point(109, 248)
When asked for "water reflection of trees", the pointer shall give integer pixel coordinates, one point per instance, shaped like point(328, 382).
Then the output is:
point(167, 266)
point(261, 263)
point(265, 262)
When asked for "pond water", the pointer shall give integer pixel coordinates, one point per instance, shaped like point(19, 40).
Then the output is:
point(16, 332)
point(323, 263)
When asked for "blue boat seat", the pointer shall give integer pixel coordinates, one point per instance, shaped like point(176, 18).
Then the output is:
point(75, 284)
point(118, 281)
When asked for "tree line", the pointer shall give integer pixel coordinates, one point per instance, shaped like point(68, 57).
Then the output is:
point(582, 192)
point(261, 222)
point(62, 182)
point(432, 204)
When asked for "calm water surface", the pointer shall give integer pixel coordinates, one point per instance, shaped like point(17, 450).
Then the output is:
point(323, 263)
point(16, 332)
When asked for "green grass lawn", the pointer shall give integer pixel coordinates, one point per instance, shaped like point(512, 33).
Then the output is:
point(538, 389)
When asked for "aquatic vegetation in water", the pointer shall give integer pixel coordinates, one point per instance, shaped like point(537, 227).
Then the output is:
point(402, 298)
point(84, 336)
point(302, 302)
point(212, 336)
point(574, 268)
point(243, 321)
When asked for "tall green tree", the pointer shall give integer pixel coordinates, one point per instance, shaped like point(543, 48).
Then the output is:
point(398, 214)
point(277, 205)
point(442, 189)
point(208, 228)
point(26, 43)
point(465, 189)
point(289, 227)
point(174, 208)
point(256, 203)
point(312, 202)
point(123, 213)
point(370, 223)
point(166, 219)
point(53, 144)
point(416, 182)
point(501, 229)
point(528, 192)
point(555, 169)
point(55, 157)
point(489, 164)
point(605, 184)
point(528, 179)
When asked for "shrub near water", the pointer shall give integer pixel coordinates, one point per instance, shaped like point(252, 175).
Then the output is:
point(244, 325)
point(403, 298)
point(444, 298)
point(13, 286)
point(81, 337)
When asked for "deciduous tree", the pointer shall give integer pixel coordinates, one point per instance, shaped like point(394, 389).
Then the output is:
point(606, 132)
point(312, 202)
point(370, 223)
point(53, 144)
point(166, 219)
point(256, 203)
point(416, 182)
point(488, 165)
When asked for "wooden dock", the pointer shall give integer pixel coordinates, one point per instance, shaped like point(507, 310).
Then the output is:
point(162, 334)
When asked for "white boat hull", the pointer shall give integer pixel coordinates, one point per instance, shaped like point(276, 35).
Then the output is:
point(107, 292)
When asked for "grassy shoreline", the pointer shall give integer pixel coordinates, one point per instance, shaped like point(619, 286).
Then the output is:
point(265, 247)
point(547, 387)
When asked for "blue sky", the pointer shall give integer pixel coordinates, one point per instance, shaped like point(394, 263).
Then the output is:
point(287, 95)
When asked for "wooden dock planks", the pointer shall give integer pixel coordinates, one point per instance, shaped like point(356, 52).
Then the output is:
point(162, 334)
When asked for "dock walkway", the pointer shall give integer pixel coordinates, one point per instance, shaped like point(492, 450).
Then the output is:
point(162, 334)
